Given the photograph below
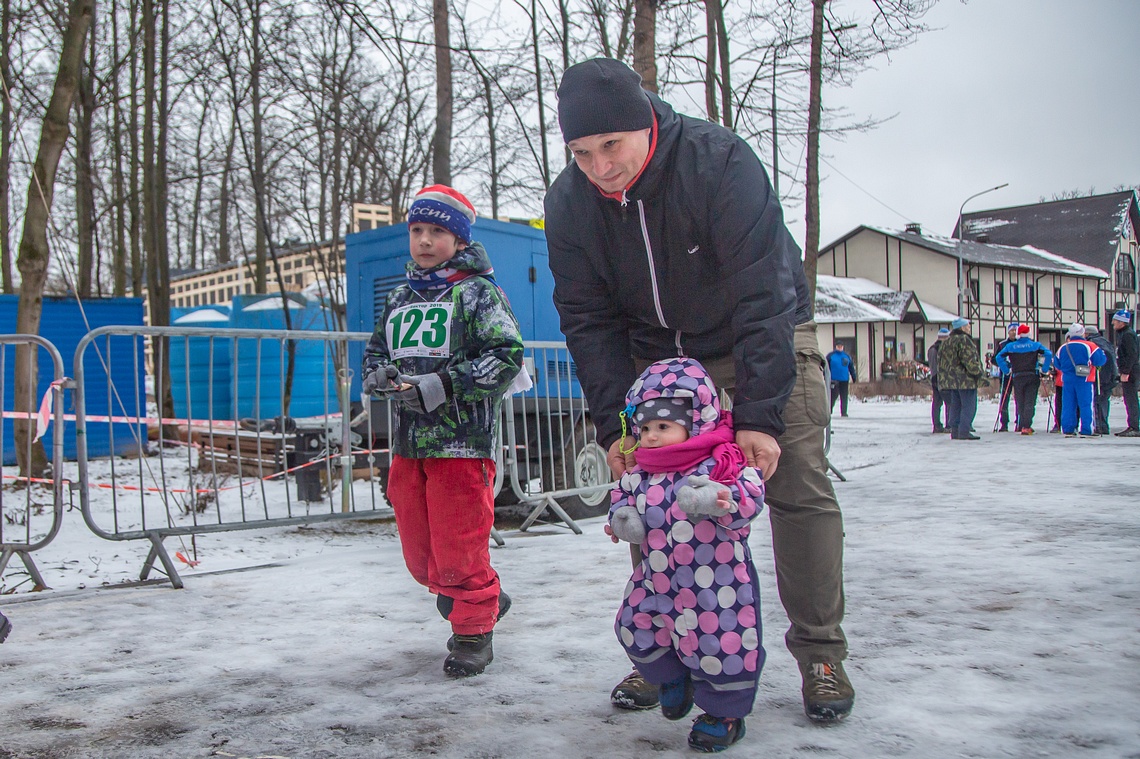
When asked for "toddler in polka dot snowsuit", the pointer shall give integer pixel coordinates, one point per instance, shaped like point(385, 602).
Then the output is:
point(690, 621)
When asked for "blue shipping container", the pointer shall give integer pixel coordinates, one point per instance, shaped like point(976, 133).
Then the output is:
point(64, 323)
point(200, 375)
point(257, 392)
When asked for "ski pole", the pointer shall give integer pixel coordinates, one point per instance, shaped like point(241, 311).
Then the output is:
point(1001, 404)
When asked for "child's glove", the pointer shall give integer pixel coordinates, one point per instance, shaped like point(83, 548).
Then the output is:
point(420, 392)
point(704, 498)
point(626, 524)
point(380, 380)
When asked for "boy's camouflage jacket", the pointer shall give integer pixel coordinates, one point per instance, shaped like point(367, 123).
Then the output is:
point(484, 355)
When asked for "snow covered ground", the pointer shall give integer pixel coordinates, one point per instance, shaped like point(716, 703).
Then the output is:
point(993, 610)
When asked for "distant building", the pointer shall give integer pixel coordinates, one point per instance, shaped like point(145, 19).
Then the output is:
point(990, 284)
point(884, 331)
point(301, 265)
point(1098, 231)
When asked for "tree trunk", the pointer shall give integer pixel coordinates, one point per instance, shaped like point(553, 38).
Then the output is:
point(224, 199)
point(260, 244)
point(645, 42)
point(135, 200)
point(712, 113)
point(538, 93)
point(811, 200)
point(84, 175)
point(7, 281)
point(441, 144)
point(118, 186)
point(34, 253)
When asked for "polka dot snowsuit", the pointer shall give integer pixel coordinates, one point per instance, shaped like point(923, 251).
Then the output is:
point(693, 601)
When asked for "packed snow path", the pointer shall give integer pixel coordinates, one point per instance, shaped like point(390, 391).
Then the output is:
point(992, 611)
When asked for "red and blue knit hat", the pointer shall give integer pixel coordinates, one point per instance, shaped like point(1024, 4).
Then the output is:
point(444, 207)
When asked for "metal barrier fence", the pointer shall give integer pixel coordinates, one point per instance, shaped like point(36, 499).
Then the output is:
point(225, 458)
point(26, 523)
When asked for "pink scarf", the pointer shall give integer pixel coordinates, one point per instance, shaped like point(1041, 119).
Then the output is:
point(719, 444)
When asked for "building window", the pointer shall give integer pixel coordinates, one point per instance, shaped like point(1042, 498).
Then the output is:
point(1014, 294)
point(975, 290)
point(1080, 300)
point(999, 293)
point(1030, 295)
point(1125, 273)
point(1056, 297)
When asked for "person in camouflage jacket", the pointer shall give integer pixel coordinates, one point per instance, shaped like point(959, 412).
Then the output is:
point(446, 349)
point(960, 374)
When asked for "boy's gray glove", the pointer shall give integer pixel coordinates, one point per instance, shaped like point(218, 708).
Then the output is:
point(626, 525)
point(420, 392)
point(699, 497)
point(379, 380)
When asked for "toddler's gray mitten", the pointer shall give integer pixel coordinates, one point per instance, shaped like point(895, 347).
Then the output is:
point(698, 497)
point(626, 525)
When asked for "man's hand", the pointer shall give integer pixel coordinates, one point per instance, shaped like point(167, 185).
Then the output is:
point(1124, 377)
point(619, 462)
point(760, 450)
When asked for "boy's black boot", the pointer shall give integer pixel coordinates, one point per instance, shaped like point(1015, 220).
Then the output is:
point(469, 655)
point(504, 607)
point(676, 697)
point(713, 734)
point(5, 627)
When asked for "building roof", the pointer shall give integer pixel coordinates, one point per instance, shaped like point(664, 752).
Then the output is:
point(1086, 230)
point(987, 254)
point(854, 299)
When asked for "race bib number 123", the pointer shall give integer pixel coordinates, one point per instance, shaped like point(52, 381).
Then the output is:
point(420, 329)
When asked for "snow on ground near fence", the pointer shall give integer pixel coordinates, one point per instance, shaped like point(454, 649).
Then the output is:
point(992, 593)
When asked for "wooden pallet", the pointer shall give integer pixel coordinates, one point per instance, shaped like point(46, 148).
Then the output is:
point(234, 451)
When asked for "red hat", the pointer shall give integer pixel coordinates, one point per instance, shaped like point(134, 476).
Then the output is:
point(1023, 329)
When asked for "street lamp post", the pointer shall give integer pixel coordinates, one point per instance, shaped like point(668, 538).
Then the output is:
point(961, 229)
point(961, 226)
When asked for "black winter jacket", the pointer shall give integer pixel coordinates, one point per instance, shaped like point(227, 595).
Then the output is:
point(1128, 353)
point(695, 260)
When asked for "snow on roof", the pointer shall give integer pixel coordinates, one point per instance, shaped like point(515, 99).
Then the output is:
point(854, 299)
point(991, 254)
point(272, 303)
point(202, 316)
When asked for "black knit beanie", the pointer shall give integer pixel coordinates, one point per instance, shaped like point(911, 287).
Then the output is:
point(599, 96)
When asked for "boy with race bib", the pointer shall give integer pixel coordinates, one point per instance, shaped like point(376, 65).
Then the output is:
point(446, 349)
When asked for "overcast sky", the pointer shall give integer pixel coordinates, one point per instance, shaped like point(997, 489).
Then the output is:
point(1041, 94)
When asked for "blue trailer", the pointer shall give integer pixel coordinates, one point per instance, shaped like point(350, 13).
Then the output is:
point(552, 421)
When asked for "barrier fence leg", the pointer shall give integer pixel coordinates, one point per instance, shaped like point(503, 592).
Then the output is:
point(549, 503)
point(33, 570)
point(158, 551)
point(495, 536)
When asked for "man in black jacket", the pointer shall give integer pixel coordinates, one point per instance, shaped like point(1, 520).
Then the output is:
point(666, 239)
point(1128, 365)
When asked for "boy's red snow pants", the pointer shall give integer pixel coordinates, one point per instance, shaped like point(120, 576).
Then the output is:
point(445, 509)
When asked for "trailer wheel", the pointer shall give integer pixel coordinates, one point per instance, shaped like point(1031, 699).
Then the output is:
point(586, 467)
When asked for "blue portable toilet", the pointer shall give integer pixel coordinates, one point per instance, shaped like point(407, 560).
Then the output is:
point(64, 322)
point(375, 261)
point(260, 366)
point(200, 366)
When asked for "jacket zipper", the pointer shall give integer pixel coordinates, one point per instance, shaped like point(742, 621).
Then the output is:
point(652, 268)
point(653, 275)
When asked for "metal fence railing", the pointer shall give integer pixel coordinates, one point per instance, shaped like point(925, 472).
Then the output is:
point(273, 438)
point(31, 504)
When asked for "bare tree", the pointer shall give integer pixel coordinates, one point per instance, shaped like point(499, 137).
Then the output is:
point(34, 254)
point(441, 143)
point(645, 42)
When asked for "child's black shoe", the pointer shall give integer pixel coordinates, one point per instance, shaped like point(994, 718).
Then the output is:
point(470, 655)
point(712, 734)
point(676, 697)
